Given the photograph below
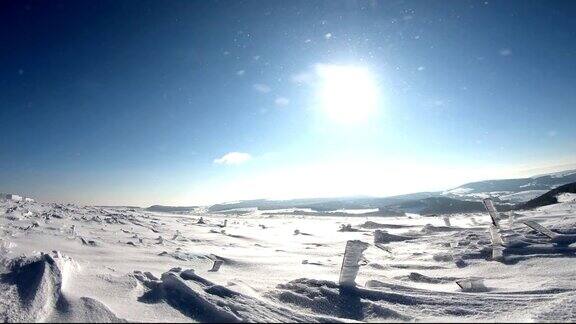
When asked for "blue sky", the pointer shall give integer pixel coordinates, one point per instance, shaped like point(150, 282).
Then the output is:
point(139, 102)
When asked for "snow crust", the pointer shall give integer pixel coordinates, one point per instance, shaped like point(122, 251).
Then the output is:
point(67, 263)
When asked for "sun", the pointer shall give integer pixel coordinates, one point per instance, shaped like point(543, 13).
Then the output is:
point(347, 94)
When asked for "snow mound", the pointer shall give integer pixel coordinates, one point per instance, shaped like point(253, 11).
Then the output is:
point(418, 277)
point(205, 301)
point(83, 309)
point(32, 290)
point(33, 284)
point(381, 236)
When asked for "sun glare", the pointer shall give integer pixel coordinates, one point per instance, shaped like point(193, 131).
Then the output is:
point(347, 93)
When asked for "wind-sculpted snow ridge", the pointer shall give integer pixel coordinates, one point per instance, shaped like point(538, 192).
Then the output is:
point(381, 236)
point(381, 301)
point(32, 291)
point(35, 283)
point(205, 301)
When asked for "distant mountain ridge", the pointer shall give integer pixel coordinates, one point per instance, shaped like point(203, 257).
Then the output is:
point(507, 194)
point(166, 209)
point(541, 182)
point(445, 205)
point(550, 197)
point(323, 204)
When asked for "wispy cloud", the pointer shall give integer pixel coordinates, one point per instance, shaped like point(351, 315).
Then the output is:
point(233, 158)
point(302, 78)
point(260, 87)
point(282, 101)
point(505, 52)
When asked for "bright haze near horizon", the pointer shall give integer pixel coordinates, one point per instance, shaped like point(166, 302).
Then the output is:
point(196, 102)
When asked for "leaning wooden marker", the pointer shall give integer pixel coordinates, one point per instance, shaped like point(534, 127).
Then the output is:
point(495, 237)
point(350, 266)
point(540, 229)
point(556, 238)
point(491, 210)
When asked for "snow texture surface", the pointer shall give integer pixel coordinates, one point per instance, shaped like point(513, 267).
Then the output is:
point(70, 263)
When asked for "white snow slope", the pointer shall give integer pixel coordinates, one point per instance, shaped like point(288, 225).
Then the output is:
point(70, 263)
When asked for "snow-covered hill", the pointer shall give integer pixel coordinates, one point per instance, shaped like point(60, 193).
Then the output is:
point(513, 190)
